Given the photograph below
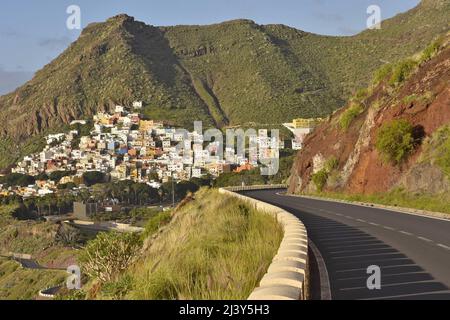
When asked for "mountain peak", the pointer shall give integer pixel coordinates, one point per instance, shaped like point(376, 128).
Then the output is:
point(123, 17)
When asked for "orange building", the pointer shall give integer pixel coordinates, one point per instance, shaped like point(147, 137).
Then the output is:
point(244, 167)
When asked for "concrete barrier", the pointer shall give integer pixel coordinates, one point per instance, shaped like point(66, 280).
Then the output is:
point(104, 226)
point(20, 256)
point(49, 293)
point(287, 277)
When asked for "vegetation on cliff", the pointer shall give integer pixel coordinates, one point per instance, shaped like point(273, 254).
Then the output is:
point(395, 146)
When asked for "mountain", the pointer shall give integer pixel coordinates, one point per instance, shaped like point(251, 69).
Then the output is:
point(237, 72)
point(395, 135)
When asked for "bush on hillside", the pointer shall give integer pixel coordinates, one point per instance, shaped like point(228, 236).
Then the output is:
point(156, 222)
point(402, 71)
point(431, 50)
point(395, 141)
point(349, 115)
point(437, 149)
point(382, 73)
point(444, 160)
point(361, 94)
point(320, 179)
point(109, 254)
point(331, 164)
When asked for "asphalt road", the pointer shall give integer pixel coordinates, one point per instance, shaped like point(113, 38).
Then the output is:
point(412, 251)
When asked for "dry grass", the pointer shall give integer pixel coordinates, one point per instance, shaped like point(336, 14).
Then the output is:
point(216, 247)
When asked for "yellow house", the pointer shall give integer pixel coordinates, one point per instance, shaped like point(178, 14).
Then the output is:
point(134, 173)
point(145, 125)
point(306, 123)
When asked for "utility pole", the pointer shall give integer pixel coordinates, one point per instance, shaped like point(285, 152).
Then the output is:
point(173, 193)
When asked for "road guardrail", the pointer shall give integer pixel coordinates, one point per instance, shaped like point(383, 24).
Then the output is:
point(287, 277)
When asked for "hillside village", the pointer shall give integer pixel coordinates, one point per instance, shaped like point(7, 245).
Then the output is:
point(125, 146)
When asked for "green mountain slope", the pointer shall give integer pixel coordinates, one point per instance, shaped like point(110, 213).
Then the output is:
point(231, 73)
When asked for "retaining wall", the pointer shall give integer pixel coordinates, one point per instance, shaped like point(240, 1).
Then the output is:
point(288, 275)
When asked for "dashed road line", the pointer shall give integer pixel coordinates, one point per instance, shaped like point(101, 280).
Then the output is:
point(385, 227)
point(425, 239)
point(443, 246)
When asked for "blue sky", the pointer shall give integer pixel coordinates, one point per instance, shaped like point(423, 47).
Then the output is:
point(32, 33)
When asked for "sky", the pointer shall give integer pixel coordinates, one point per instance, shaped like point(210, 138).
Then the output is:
point(33, 33)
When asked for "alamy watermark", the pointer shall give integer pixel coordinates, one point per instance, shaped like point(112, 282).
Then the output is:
point(73, 22)
point(250, 146)
point(374, 19)
point(73, 281)
point(374, 280)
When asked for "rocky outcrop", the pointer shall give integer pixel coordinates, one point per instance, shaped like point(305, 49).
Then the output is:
point(423, 100)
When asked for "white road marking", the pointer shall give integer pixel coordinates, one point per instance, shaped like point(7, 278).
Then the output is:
point(443, 246)
point(374, 207)
point(389, 228)
point(406, 233)
point(425, 239)
point(361, 220)
point(374, 224)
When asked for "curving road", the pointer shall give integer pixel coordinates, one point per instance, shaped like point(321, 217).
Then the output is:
point(412, 251)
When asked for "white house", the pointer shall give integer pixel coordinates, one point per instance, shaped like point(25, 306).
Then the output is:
point(137, 104)
point(119, 109)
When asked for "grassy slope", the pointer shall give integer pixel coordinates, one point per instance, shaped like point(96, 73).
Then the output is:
point(398, 198)
point(216, 247)
point(28, 237)
point(17, 283)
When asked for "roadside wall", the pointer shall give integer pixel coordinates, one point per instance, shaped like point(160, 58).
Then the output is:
point(288, 275)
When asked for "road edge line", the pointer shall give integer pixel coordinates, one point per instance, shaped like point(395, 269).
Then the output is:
point(424, 214)
point(325, 288)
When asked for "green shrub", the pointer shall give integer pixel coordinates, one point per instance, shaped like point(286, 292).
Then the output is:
point(382, 73)
point(410, 99)
point(109, 254)
point(361, 94)
point(156, 222)
point(320, 179)
point(430, 51)
point(119, 288)
point(331, 164)
point(349, 115)
point(402, 71)
point(437, 149)
point(425, 98)
point(395, 141)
